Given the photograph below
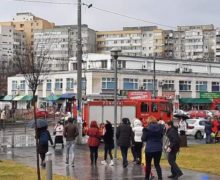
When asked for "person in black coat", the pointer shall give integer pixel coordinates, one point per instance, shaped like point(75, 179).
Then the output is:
point(153, 136)
point(43, 136)
point(208, 131)
point(109, 143)
point(124, 135)
point(173, 149)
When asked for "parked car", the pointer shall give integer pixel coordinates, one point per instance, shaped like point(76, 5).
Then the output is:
point(41, 113)
point(196, 127)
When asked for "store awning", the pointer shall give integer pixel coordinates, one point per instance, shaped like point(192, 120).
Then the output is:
point(195, 101)
point(27, 98)
point(52, 98)
point(7, 98)
point(17, 98)
point(67, 95)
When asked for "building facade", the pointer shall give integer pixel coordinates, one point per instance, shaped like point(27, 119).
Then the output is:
point(174, 79)
point(60, 43)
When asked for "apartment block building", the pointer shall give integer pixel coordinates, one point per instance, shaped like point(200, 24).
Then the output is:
point(146, 41)
point(27, 23)
point(60, 44)
point(217, 50)
point(129, 41)
point(12, 44)
point(195, 42)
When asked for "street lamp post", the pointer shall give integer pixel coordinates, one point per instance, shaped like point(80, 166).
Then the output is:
point(154, 79)
point(114, 53)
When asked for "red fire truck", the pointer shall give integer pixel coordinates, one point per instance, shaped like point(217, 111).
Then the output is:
point(102, 110)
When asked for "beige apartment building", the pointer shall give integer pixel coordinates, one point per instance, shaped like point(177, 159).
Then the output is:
point(27, 23)
point(133, 41)
point(129, 41)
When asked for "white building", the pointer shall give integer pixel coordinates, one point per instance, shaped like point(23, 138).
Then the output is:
point(173, 78)
point(59, 44)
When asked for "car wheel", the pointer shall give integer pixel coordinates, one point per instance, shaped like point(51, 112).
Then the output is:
point(198, 135)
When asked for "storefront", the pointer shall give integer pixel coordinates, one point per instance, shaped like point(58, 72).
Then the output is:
point(195, 103)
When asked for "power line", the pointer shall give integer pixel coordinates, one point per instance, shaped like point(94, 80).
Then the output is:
point(129, 17)
point(44, 2)
point(99, 9)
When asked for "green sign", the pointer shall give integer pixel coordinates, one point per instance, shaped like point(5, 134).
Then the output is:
point(211, 95)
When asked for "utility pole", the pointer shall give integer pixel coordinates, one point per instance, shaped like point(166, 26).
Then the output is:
point(154, 79)
point(115, 53)
point(79, 72)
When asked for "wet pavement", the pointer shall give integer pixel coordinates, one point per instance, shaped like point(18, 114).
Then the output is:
point(84, 171)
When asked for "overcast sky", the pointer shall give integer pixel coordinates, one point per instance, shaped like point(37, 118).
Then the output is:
point(168, 12)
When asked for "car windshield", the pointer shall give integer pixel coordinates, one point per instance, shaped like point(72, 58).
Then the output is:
point(190, 121)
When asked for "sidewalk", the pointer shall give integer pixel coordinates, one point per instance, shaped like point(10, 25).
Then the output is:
point(84, 171)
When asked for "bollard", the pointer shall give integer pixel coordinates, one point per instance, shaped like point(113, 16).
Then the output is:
point(49, 166)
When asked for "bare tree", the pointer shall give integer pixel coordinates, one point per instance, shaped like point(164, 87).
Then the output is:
point(34, 67)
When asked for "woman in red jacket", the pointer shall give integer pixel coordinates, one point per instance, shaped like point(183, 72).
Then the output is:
point(93, 141)
point(215, 125)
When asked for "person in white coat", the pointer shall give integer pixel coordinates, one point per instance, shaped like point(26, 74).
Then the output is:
point(138, 144)
point(58, 132)
point(182, 127)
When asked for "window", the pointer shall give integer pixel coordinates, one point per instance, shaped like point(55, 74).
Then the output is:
point(185, 85)
point(130, 84)
point(74, 66)
point(168, 85)
point(201, 86)
point(49, 85)
point(154, 107)
point(121, 64)
point(22, 85)
point(104, 64)
point(108, 83)
point(215, 87)
point(58, 84)
point(14, 85)
point(69, 83)
point(144, 107)
point(83, 83)
point(149, 85)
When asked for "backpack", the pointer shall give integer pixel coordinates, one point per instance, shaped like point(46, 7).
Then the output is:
point(43, 140)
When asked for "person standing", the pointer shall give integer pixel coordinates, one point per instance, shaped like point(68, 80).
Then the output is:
point(3, 118)
point(182, 127)
point(124, 137)
point(109, 143)
point(58, 132)
point(138, 132)
point(70, 133)
point(93, 141)
point(208, 131)
point(153, 136)
point(43, 136)
point(173, 149)
point(215, 126)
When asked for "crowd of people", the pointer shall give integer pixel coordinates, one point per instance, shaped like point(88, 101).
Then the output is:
point(128, 135)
